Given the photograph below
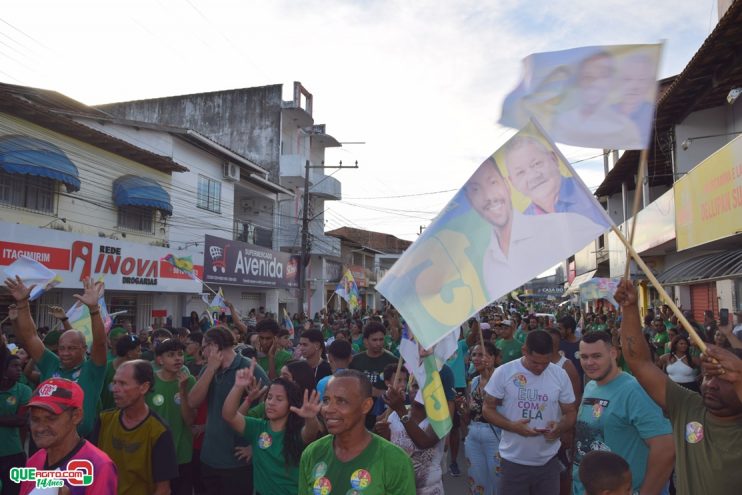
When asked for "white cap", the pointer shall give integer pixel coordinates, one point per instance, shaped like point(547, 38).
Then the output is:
point(484, 326)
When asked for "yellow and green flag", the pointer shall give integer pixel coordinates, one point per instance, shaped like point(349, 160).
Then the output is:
point(434, 398)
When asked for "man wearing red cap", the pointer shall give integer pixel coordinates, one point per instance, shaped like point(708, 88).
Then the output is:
point(55, 412)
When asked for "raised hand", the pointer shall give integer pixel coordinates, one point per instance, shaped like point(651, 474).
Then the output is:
point(18, 289)
point(255, 392)
point(57, 312)
point(182, 377)
point(721, 363)
point(244, 377)
point(310, 407)
point(213, 357)
point(625, 293)
point(92, 292)
point(394, 399)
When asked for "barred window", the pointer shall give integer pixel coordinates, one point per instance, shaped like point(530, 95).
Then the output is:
point(136, 218)
point(28, 191)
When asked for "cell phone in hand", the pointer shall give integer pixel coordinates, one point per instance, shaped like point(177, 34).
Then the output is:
point(541, 430)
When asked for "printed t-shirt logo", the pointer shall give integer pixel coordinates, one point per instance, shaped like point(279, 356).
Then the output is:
point(158, 400)
point(597, 411)
point(319, 470)
point(520, 380)
point(176, 398)
point(693, 432)
point(265, 440)
point(360, 479)
point(47, 390)
point(11, 400)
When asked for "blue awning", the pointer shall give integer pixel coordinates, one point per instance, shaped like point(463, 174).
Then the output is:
point(30, 156)
point(132, 190)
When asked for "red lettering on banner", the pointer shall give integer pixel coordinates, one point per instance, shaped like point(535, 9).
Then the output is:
point(127, 267)
point(52, 258)
point(82, 251)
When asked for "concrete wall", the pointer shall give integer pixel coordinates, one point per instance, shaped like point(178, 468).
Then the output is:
point(247, 121)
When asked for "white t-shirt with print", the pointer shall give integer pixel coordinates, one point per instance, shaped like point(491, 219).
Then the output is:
point(534, 397)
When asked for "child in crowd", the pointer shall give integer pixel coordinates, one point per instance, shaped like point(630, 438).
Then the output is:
point(605, 473)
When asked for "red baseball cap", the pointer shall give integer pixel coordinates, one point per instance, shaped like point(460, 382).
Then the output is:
point(57, 395)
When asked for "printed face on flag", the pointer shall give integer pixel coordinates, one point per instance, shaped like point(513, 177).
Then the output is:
point(522, 211)
point(599, 288)
point(596, 97)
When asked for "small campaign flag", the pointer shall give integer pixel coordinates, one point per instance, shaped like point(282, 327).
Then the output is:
point(348, 290)
point(600, 288)
point(184, 264)
point(434, 398)
point(288, 324)
point(33, 273)
point(593, 96)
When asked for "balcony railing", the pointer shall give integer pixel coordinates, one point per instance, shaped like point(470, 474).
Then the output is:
point(252, 234)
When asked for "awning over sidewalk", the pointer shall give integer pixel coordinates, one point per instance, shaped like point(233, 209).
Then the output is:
point(708, 267)
point(579, 280)
point(30, 156)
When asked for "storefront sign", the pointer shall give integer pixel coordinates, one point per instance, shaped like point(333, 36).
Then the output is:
point(708, 199)
point(123, 265)
point(238, 263)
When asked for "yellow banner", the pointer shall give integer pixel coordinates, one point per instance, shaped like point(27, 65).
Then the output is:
point(708, 200)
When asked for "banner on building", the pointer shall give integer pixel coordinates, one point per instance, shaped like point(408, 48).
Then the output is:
point(231, 262)
point(708, 199)
point(72, 256)
point(594, 96)
point(522, 211)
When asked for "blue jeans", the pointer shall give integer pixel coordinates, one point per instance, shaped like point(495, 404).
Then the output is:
point(482, 451)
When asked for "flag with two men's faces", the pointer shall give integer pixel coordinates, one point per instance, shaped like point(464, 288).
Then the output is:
point(525, 209)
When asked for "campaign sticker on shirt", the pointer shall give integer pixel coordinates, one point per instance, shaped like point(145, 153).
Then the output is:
point(519, 380)
point(693, 432)
point(75, 375)
point(176, 398)
point(265, 440)
point(322, 486)
point(360, 479)
point(11, 400)
point(319, 470)
point(158, 400)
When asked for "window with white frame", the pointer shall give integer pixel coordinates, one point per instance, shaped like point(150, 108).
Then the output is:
point(136, 218)
point(27, 191)
point(209, 194)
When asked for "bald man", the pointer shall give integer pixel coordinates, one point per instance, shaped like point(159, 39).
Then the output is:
point(71, 363)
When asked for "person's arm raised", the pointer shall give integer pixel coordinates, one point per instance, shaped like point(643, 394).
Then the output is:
point(201, 388)
point(90, 298)
point(242, 379)
point(634, 346)
point(24, 326)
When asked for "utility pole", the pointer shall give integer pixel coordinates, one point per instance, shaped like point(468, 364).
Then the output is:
point(305, 241)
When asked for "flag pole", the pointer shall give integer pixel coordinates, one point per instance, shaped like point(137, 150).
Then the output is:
point(638, 192)
point(663, 294)
point(4, 320)
point(329, 300)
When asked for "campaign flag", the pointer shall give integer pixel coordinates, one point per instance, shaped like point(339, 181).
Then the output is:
point(348, 290)
point(434, 398)
point(288, 324)
point(184, 264)
point(600, 288)
point(32, 273)
point(593, 96)
point(79, 318)
point(522, 211)
point(217, 304)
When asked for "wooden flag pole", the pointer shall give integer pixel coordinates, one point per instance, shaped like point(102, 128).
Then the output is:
point(663, 294)
point(396, 373)
point(4, 320)
point(329, 300)
point(481, 337)
point(638, 193)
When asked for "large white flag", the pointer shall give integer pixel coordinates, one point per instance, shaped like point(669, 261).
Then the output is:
point(522, 211)
point(594, 96)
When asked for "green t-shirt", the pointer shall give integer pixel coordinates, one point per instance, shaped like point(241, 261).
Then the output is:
point(165, 401)
point(358, 343)
point(520, 336)
point(510, 349)
point(271, 475)
point(707, 450)
point(279, 360)
point(659, 340)
point(382, 468)
point(90, 378)
point(106, 395)
point(11, 401)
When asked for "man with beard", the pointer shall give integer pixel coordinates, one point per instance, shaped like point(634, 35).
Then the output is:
point(707, 429)
point(616, 414)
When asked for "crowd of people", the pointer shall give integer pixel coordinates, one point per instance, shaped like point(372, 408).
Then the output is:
point(583, 403)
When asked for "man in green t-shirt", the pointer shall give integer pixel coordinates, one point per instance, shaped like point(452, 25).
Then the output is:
point(660, 337)
point(351, 459)
point(169, 399)
point(707, 428)
point(13, 399)
point(71, 362)
point(270, 355)
point(510, 348)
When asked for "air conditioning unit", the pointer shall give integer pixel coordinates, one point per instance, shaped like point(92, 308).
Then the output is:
point(231, 172)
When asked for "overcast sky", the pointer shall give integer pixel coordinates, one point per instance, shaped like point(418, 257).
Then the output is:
point(420, 81)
